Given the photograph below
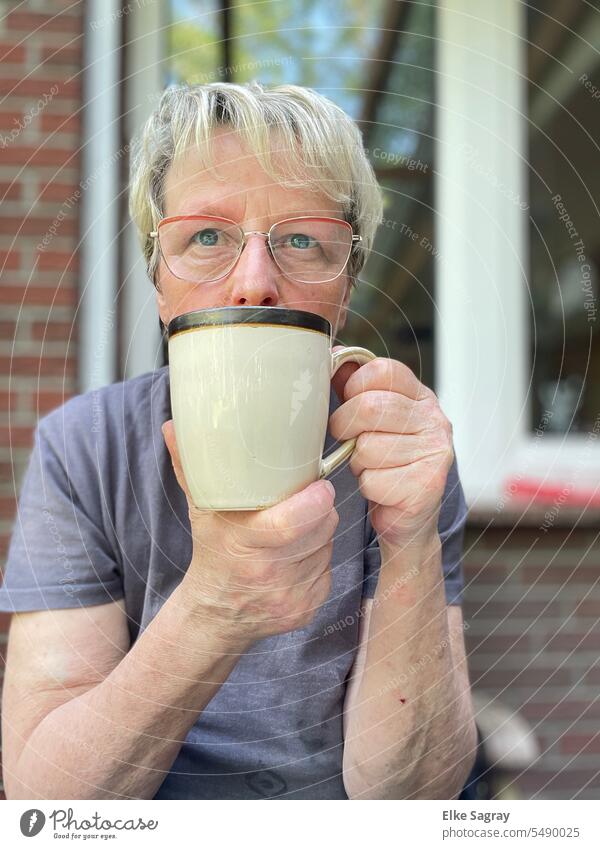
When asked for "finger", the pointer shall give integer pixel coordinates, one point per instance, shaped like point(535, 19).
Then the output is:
point(405, 486)
point(387, 450)
point(389, 375)
point(291, 554)
point(288, 521)
point(376, 410)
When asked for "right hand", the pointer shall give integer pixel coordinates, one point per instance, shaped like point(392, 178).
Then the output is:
point(264, 572)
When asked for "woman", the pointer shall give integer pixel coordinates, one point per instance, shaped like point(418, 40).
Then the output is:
point(241, 655)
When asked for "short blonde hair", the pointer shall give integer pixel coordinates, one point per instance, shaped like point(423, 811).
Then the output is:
point(323, 150)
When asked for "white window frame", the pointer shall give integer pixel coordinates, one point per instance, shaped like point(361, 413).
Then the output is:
point(482, 303)
point(141, 341)
point(101, 226)
point(99, 196)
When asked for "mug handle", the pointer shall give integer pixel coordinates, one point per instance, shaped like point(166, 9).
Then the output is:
point(337, 457)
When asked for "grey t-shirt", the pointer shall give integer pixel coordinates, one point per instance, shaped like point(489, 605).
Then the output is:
point(101, 517)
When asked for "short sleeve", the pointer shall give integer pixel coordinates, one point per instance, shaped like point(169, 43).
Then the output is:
point(451, 527)
point(59, 555)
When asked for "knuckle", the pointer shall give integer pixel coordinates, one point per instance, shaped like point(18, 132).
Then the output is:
point(280, 529)
point(382, 368)
point(363, 444)
point(372, 404)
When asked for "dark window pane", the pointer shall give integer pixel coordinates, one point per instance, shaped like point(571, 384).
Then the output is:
point(564, 185)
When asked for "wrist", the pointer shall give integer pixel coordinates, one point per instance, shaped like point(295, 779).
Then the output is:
point(200, 616)
point(423, 541)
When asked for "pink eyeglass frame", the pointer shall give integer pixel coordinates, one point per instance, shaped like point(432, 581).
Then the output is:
point(154, 234)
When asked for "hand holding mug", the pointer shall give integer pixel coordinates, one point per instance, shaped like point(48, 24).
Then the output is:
point(254, 574)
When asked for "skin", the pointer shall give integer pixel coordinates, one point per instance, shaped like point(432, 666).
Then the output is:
point(252, 198)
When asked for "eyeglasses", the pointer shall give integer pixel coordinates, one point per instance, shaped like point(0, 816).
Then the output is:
point(205, 248)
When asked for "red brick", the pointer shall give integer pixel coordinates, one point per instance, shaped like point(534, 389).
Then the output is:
point(592, 677)
point(42, 366)
point(52, 331)
point(572, 707)
point(10, 191)
point(521, 609)
point(56, 191)
point(30, 22)
point(9, 119)
point(66, 123)
point(14, 53)
point(19, 154)
point(8, 400)
point(46, 401)
point(498, 644)
point(57, 261)
point(9, 260)
point(501, 676)
point(8, 330)
point(19, 436)
point(32, 226)
point(587, 607)
point(40, 86)
point(499, 539)
point(574, 642)
point(585, 744)
point(585, 571)
point(8, 506)
point(66, 54)
point(38, 295)
point(538, 783)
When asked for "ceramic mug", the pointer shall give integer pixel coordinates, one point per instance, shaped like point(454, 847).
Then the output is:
point(250, 390)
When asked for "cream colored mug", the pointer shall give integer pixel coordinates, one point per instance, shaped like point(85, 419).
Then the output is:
point(250, 390)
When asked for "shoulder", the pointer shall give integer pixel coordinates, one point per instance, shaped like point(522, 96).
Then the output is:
point(102, 412)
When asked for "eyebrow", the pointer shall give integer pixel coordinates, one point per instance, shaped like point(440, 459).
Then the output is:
point(203, 209)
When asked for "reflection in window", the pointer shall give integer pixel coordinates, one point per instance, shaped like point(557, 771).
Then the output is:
point(564, 185)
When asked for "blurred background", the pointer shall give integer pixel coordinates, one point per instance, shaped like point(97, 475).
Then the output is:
point(482, 121)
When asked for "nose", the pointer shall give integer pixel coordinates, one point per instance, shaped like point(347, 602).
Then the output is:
point(254, 280)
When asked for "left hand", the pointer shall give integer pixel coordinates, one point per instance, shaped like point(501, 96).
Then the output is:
point(404, 447)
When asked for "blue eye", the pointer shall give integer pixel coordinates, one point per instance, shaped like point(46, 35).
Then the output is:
point(302, 241)
point(207, 237)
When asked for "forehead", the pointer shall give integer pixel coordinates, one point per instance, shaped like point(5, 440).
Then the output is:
point(233, 182)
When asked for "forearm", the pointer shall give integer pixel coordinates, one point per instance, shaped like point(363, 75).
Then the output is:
point(411, 733)
point(120, 738)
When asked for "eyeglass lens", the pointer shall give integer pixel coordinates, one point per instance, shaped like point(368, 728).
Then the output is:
point(308, 250)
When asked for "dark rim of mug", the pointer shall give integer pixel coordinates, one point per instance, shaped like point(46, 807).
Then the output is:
point(248, 315)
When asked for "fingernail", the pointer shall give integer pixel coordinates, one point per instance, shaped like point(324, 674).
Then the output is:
point(331, 488)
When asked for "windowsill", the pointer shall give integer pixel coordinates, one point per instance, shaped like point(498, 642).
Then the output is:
point(534, 515)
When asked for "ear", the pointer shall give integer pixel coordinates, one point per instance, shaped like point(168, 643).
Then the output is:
point(163, 309)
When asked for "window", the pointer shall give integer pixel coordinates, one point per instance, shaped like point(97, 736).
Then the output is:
point(515, 306)
point(376, 62)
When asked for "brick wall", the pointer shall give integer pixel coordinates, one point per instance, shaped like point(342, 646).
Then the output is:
point(533, 609)
point(40, 102)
